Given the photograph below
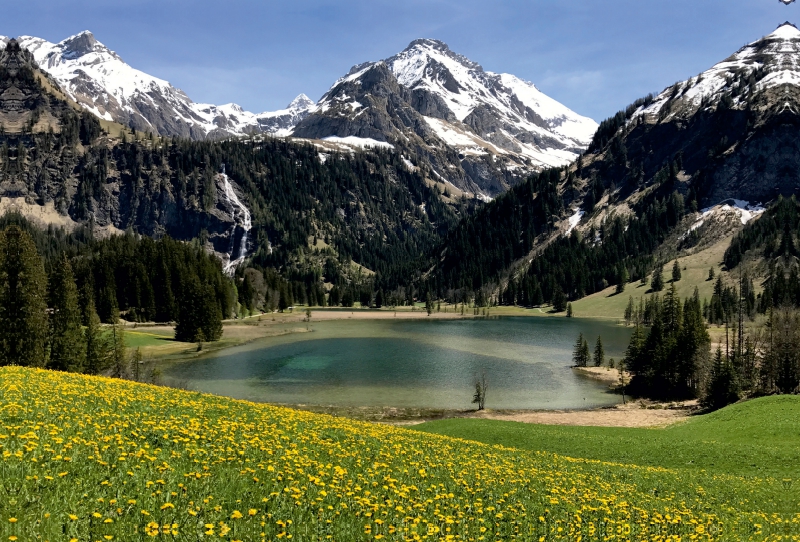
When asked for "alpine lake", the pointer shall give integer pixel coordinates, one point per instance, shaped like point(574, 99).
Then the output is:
point(414, 364)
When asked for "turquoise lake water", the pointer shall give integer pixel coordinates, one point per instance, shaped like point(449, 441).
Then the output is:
point(413, 363)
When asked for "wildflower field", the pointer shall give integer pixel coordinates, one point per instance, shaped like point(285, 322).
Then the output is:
point(86, 458)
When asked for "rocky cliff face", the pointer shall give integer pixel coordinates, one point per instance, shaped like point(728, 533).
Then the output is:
point(99, 80)
point(478, 130)
point(54, 156)
point(731, 132)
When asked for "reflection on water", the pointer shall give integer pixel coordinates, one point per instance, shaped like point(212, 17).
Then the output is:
point(413, 364)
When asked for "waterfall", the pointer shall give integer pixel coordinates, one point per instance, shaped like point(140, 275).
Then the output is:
point(241, 219)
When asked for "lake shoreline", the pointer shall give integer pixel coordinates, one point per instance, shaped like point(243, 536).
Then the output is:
point(633, 414)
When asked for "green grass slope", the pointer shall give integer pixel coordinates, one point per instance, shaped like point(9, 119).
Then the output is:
point(756, 438)
point(86, 458)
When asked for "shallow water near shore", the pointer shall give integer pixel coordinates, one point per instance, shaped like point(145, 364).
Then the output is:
point(402, 363)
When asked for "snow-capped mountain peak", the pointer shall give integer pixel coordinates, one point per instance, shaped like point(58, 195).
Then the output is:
point(466, 87)
point(767, 63)
point(82, 44)
point(301, 102)
point(499, 125)
point(786, 31)
point(97, 78)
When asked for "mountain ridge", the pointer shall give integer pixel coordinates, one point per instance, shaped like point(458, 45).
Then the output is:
point(98, 78)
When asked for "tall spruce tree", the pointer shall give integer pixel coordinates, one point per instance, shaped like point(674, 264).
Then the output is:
point(117, 356)
point(97, 350)
point(23, 302)
point(67, 343)
point(580, 354)
point(658, 279)
point(599, 353)
point(199, 315)
point(676, 272)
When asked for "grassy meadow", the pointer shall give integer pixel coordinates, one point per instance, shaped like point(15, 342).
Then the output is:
point(87, 458)
point(758, 438)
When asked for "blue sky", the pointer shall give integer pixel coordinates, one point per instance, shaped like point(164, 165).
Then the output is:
point(595, 56)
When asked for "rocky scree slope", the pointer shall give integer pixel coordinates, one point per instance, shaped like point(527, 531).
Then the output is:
point(478, 130)
point(98, 79)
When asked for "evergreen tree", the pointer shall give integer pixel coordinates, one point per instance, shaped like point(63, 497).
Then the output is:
point(23, 306)
point(676, 271)
point(624, 277)
point(559, 301)
point(67, 344)
point(723, 388)
point(210, 316)
point(658, 279)
point(580, 354)
point(570, 314)
point(199, 315)
point(97, 358)
point(629, 310)
point(115, 344)
point(599, 353)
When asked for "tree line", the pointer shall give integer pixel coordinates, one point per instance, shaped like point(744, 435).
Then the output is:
point(58, 288)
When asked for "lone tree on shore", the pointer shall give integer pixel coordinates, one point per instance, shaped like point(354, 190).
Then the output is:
point(599, 353)
point(480, 391)
point(580, 355)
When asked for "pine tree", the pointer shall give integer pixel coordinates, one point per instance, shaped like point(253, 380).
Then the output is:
point(599, 353)
point(578, 358)
point(723, 388)
point(624, 277)
point(23, 306)
point(570, 314)
point(116, 347)
point(67, 344)
point(210, 316)
point(658, 279)
point(96, 345)
point(629, 310)
point(559, 301)
point(676, 272)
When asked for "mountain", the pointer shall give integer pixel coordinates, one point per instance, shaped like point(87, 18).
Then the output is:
point(332, 218)
point(478, 130)
point(97, 78)
point(665, 177)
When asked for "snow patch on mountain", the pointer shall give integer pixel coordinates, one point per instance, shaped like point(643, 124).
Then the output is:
point(361, 142)
point(573, 221)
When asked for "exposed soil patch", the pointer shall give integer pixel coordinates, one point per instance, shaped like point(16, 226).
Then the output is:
point(634, 414)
